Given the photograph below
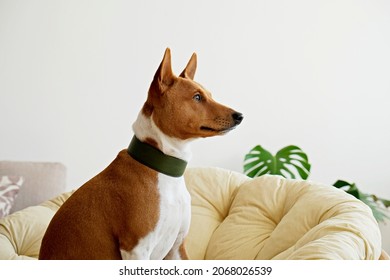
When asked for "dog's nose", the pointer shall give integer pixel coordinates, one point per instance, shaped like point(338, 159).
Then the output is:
point(237, 117)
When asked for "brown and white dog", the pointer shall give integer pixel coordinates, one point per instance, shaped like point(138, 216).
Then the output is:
point(134, 210)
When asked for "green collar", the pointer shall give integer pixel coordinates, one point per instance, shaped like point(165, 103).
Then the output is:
point(155, 159)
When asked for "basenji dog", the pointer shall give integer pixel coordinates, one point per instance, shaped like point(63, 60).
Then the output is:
point(139, 207)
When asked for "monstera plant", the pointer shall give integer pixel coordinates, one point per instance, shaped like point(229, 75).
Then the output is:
point(288, 162)
point(292, 162)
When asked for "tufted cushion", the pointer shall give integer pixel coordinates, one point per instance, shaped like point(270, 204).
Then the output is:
point(235, 217)
point(21, 233)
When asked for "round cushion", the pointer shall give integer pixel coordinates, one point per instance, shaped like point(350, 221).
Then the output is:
point(21, 233)
point(270, 217)
point(235, 217)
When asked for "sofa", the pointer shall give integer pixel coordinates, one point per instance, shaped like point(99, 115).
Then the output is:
point(236, 217)
point(36, 182)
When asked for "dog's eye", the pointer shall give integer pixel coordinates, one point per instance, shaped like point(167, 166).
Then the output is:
point(197, 97)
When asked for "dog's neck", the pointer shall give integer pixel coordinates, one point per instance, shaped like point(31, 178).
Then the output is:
point(147, 131)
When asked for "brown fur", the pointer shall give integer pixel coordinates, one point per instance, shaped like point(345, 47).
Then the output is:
point(98, 234)
point(183, 251)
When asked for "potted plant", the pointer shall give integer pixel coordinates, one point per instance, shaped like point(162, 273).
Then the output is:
point(292, 162)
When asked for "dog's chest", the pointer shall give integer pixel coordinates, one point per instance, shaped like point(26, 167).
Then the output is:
point(173, 222)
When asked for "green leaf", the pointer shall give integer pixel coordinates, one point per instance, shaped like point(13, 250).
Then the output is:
point(259, 162)
point(348, 187)
point(340, 184)
point(289, 162)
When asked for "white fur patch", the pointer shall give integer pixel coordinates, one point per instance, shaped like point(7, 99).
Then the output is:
point(144, 127)
point(172, 226)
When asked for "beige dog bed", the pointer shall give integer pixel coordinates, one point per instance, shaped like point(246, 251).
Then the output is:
point(235, 217)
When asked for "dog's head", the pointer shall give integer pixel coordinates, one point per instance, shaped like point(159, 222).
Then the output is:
point(184, 109)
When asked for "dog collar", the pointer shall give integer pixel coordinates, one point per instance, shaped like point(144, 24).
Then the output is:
point(155, 159)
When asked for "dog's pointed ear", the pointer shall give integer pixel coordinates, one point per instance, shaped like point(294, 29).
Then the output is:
point(164, 75)
point(189, 71)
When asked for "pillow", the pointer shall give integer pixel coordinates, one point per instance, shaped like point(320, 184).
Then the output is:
point(9, 189)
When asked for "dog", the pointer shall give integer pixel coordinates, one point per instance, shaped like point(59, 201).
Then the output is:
point(138, 207)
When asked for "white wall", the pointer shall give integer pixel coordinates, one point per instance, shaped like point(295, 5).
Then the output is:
point(74, 74)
